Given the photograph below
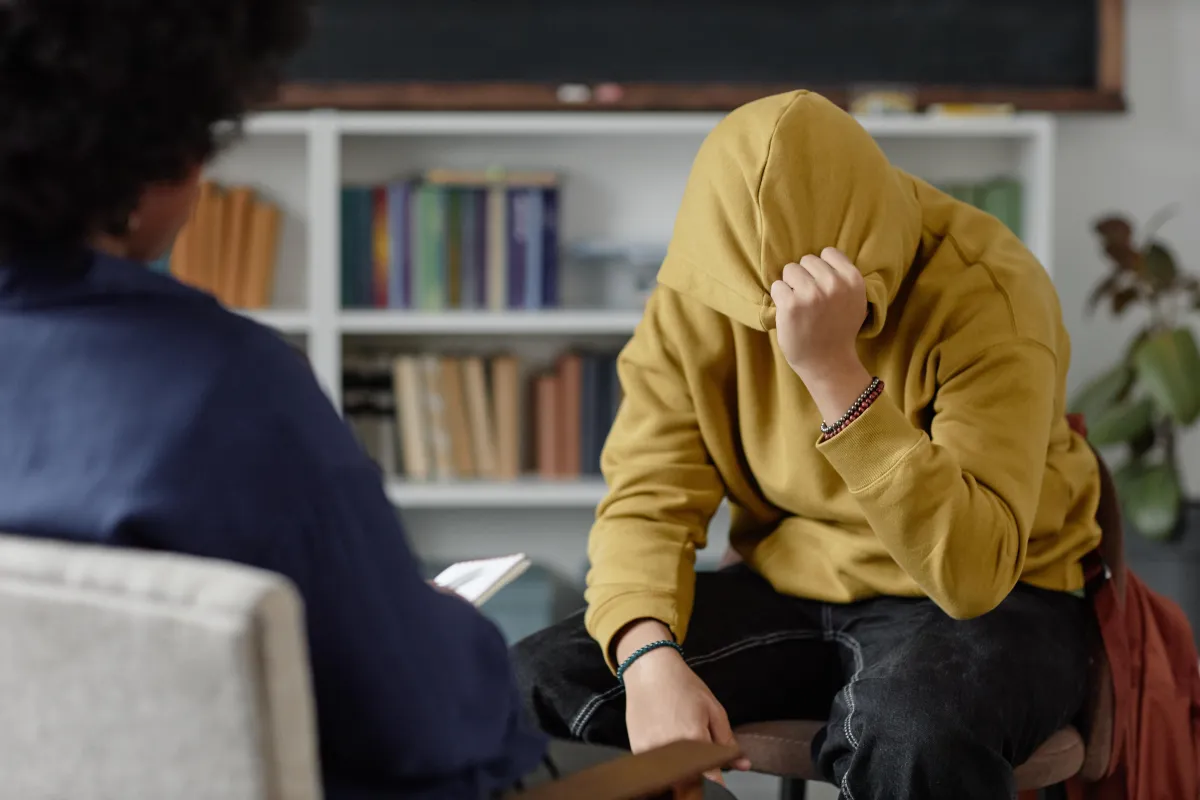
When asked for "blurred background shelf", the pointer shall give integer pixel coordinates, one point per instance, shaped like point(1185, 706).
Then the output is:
point(286, 321)
point(527, 493)
point(494, 323)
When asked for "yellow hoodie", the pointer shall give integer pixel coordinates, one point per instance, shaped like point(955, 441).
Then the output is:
point(961, 480)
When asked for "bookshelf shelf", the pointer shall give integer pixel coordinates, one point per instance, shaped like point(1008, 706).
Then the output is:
point(285, 321)
point(583, 493)
point(576, 123)
point(491, 323)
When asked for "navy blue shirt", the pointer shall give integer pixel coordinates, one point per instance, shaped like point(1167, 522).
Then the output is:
point(135, 411)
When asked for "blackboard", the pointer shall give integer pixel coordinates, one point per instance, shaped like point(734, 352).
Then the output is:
point(954, 49)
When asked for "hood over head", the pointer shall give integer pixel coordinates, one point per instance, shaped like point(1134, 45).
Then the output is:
point(780, 178)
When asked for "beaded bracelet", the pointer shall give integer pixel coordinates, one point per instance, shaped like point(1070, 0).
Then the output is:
point(641, 651)
point(864, 401)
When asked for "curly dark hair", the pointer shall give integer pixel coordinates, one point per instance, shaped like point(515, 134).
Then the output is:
point(100, 98)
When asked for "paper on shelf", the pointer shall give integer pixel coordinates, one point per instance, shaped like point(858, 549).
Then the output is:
point(477, 581)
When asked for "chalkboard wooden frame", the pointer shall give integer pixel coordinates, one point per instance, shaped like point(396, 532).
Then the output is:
point(1106, 95)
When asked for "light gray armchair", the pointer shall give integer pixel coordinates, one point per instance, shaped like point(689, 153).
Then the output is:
point(143, 676)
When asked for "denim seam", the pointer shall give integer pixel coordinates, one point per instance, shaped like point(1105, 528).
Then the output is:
point(848, 641)
point(584, 715)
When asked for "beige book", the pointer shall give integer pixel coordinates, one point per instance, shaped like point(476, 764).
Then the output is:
point(457, 425)
point(408, 387)
point(435, 414)
point(479, 417)
point(506, 399)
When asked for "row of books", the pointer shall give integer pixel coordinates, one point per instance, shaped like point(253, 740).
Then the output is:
point(452, 239)
point(1000, 197)
point(229, 246)
point(444, 417)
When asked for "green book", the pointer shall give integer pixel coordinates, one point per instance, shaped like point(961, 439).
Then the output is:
point(432, 283)
point(1002, 199)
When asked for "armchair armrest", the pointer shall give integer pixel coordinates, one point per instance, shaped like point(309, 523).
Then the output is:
point(636, 777)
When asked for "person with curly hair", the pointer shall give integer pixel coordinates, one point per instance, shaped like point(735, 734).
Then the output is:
point(138, 412)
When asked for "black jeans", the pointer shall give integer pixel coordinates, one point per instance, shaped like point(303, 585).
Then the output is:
point(919, 706)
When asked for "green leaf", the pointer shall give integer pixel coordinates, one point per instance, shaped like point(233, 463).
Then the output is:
point(1159, 267)
point(1120, 423)
point(1152, 498)
point(1168, 366)
point(1102, 392)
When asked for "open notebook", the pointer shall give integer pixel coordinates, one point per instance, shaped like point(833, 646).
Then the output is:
point(478, 581)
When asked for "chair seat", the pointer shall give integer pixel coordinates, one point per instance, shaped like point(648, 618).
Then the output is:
point(784, 748)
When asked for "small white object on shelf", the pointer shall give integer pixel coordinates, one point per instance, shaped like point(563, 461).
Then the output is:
point(478, 581)
point(584, 493)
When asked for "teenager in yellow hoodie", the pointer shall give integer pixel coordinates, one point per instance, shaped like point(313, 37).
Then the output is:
point(915, 579)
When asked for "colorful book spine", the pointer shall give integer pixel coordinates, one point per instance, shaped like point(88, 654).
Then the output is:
point(450, 421)
point(399, 294)
point(381, 251)
point(432, 245)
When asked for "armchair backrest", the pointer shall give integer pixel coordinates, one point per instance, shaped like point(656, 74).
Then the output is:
point(136, 674)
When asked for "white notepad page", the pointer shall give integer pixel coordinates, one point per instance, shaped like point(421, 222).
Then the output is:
point(478, 581)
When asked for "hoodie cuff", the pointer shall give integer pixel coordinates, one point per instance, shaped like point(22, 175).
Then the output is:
point(606, 620)
point(871, 446)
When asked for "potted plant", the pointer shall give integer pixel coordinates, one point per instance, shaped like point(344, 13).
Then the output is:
point(1153, 391)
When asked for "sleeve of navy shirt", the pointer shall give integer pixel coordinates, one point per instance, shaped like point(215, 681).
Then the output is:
point(414, 688)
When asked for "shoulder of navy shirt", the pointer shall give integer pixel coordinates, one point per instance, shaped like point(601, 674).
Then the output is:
point(139, 412)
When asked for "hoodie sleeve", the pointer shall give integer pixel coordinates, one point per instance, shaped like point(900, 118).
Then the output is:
point(954, 507)
point(663, 491)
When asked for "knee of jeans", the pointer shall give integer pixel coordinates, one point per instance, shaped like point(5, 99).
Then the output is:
point(912, 720)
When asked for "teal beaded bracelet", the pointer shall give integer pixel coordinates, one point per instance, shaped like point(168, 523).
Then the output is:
point(641, 651)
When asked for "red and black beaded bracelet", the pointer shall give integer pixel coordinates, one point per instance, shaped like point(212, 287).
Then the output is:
point(864, 401)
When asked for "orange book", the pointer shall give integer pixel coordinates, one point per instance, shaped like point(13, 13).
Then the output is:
point(570, 398)
point(239, 209)
point(547, 407)
point(262, 251)
point(181, 250)
point(200, 256)
point(506, 400)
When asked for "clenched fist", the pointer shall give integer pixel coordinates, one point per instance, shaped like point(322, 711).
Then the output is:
point(820, 306)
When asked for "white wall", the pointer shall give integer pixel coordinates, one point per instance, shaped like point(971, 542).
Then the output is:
point(1133, 163)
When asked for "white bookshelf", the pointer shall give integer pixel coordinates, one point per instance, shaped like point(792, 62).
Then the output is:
point(624, 175)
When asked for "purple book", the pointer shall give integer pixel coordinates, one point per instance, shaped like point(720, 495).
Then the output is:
point(480, 224)
point(518, 226)
point(550, 247)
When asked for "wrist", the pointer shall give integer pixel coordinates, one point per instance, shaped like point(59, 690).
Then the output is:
point(648, 667)
point(638, 634)
point(834, 386)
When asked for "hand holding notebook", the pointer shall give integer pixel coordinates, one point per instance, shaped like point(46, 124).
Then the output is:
point(477, 581)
